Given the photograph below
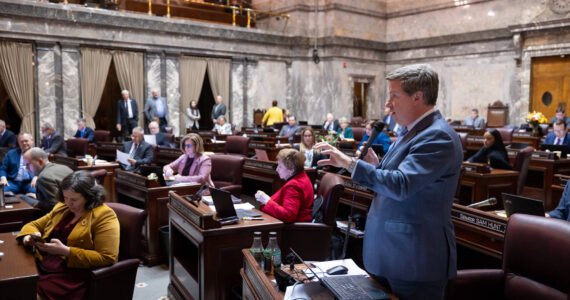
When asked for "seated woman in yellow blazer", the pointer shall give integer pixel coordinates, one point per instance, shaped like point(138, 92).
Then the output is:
point(80, 233)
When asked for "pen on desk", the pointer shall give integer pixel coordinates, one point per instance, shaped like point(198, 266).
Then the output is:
point(252, 219)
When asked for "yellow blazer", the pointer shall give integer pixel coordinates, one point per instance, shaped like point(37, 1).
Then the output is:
point(274, 114)
point(93, 242)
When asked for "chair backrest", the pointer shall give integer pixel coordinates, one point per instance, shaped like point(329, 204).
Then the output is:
point(261, 154)
point(102, 136)
point(236, 144)
point(356, 121)
point(99, 175)
point(331, 187)
point(506, 134)
point(226, 170)
point(535, 258)
point(463, 139)
point(497, 114)
point(77, 147)
point(131, 220)
point(521, 164)
point(358, 133)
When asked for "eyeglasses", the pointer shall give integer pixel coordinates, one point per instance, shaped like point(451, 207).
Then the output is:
point(558, 131)
point(307, 135)
point(187, 145)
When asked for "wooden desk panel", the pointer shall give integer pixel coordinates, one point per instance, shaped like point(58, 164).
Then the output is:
point(137, 191)
point(528, 138)
point(108, 150)
point(205, 263)
point(484, 186)
point(166, 155)
point(12, 219)
point(18, 273)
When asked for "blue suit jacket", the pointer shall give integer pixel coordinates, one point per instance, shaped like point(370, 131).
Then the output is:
point(551, 138)
point(562, 211)
point(87, 134)
point(8, 140)
point(409, 234)
point(11, 164)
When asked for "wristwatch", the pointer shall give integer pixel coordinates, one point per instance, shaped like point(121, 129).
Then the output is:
point(352, 165)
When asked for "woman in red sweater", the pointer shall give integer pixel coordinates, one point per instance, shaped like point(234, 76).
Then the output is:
point(293, 202)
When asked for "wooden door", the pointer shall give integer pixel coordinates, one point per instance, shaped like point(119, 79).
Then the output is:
point(550, 84)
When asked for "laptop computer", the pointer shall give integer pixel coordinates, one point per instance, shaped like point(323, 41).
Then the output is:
point(347, 287)
point(225, 206)
point(147, 170)
point(552, 148)
point(516, 204)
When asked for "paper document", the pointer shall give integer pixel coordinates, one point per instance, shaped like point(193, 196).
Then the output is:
point(244, 206)
point(343, 226)
point(150, 138)
point(323, 266)
point(123, 157)
point(208, 200)
point(310, 290)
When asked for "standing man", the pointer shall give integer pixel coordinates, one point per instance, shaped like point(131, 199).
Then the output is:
point(388, 119)
point(218, 110)
point(156, 107)
point(140, 152)
point(52, 141)
point(127, 114)
point(49, 177)
point(272, 115)
point(161, 138)
point(290, 129)
point(14, 171)
point(7, 137)
point(474, 120)
point(84, 132)
point(409, 240)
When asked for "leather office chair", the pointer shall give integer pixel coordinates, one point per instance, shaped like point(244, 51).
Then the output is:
point(227, 172)
point(358, 133)
point(100, 175)
point(506, 135)
point(522, 161)
point(237, 145)
point(102, 136)
point(77, 147)
point(463, 139)
point(356, 121)
point(312, 240)
point(118, 281)
point(535, 264)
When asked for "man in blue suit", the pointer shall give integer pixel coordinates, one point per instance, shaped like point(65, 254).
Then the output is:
point(15, 172)
point(7, 137)
point(84, 131)
point(409, 239)
point(559, 136)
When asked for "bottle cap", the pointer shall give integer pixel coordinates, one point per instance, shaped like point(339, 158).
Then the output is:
point(257, 233)
point(273, 233)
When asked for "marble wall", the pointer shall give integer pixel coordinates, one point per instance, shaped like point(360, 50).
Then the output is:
point(266, 81)
point(153, 80)
point(238, 105)
point(177, 113)
point(71, 90)
point(46, 83)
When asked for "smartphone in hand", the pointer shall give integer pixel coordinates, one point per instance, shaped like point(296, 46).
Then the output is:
point(37, 239)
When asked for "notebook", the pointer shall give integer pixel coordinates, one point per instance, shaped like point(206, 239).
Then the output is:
point(225, 206)
point(348, 287)
point(516, 204)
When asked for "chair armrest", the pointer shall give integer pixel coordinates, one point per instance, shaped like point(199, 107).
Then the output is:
point(117, 268)
point(477, 284)
point(113, 282)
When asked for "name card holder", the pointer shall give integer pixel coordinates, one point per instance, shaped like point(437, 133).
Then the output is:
point(476, 167)
point(544, 155)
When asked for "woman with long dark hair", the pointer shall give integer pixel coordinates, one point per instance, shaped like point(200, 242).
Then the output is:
point(493, 152)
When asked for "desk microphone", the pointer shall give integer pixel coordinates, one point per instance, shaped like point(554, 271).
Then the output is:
point(376, 130)
point(489, 202)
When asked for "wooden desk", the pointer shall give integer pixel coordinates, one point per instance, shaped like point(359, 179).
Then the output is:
point(262, 175)
point(558, 185)
point(166, 155)
point(477, 187)
point(18, 273)
point(12, 219)
point(205, 258)
point(469, 129)
point(479, 230)
point(272, 145)
point(528, 138)
point(218, 147)
point(78, 164)
point(138, 191)
point(108, 150)
point(540, 177)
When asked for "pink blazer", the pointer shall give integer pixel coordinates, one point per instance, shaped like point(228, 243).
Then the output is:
point(199, 170)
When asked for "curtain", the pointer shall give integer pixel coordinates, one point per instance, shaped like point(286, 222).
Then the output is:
point(16, 70)
point(129, 67)
point(192, 70)
point(219, 75)
point(94, 70)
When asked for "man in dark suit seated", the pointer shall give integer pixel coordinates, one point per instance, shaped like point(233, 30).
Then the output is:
point(7, 137)
point(560, 115)
point(49, 176)
point(140, 152)
point(161, 138)
point(290, 129)
point(84, 131)
point(330, 123)
point(562, 211)
point(14, 172)
point(560, 135)
point(52, 142)
point(127, 113)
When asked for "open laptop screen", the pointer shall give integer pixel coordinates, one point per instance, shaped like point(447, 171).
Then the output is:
point(516, 204)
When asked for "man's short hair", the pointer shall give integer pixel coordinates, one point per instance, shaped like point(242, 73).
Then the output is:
point(475, 110)
point(125, 92)
point(274, 103)
point(138, 129)
point(560, 122)
point(37, 154)
point(27, 134)
point(221, 117)
point(292, 116)
point(153, 123)
point(561, 110)
point(417, 78)
point(343, 120)
point(46, 126)
point(81, 120)
point(2, 123)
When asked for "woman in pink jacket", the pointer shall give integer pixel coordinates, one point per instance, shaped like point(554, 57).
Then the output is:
point(193, 165)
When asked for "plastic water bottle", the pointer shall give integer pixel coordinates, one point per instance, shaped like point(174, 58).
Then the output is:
point(278, 143)
point(256, 249)
point(214, 139)
point(272, 254)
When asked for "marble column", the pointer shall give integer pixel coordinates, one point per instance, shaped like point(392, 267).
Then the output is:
point(152, 76)
point(173, 95)
point(46, 82)
point(238, 103)
point(70, 58)
point(251, 101)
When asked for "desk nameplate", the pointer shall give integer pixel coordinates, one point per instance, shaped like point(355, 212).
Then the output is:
point(132, 178)
point(479, 221)
point(260, 164)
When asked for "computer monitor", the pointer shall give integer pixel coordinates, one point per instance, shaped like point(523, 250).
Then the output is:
point(552, 148)
point(147, 170)
point(520, 205)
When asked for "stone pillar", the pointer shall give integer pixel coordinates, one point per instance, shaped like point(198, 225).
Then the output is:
point(172, 93)
point(46, 83)
point(71, 79)
point(238, 91)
